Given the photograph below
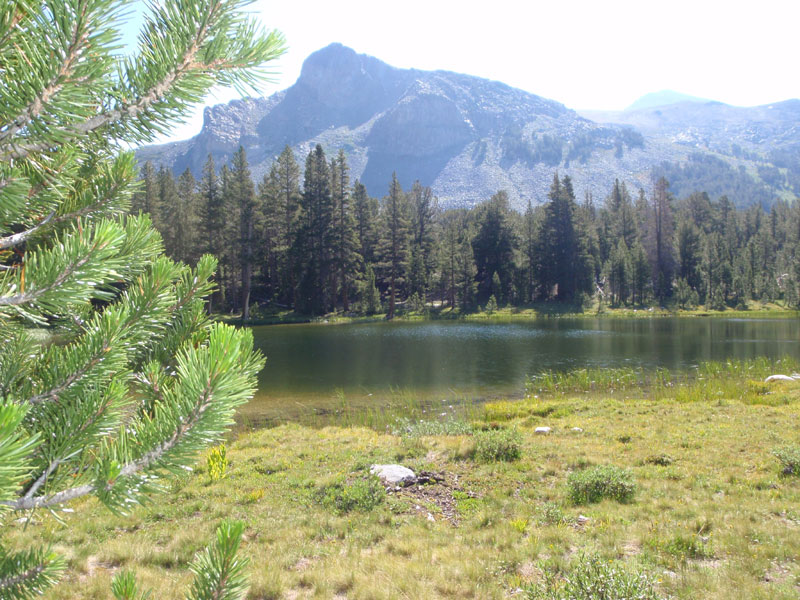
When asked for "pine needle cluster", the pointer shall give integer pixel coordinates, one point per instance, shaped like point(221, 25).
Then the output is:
point(111, 374)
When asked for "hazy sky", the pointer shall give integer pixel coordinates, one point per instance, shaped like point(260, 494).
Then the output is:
point(600, 54)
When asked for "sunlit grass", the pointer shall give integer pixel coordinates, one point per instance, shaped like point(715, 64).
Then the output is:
point(712, 516)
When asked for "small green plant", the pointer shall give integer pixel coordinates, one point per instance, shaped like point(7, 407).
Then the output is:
point(465, 503)
point(217, 463)
point(498, 445)
point(592, 578)
point(519, 524)
point(660, 460)
point(342, 497)
point(550, 513)
point(596, 483)
point(491, 305)
point(789, 457)
point(686, 547)
point(254, 496)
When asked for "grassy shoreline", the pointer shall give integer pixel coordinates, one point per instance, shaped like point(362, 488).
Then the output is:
point(539, 311)
point(710, 514)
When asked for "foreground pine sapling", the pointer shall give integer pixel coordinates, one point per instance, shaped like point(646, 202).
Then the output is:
point(111, 374)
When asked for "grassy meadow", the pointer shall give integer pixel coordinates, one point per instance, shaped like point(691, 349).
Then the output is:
point(753, 310)
point(686, 487)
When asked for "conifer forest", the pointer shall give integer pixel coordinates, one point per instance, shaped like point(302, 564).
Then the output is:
point(312, 240)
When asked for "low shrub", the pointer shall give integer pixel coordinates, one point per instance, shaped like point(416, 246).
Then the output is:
point(660, 460)
point(596, 483)
point(217, 462)
point(343, 497)
point(789, 457)
point(550, 513)
point(592, 578)
point(686, 547)
point(498, 445)
point(519, 524)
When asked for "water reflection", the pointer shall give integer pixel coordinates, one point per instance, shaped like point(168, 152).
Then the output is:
point(315, 364)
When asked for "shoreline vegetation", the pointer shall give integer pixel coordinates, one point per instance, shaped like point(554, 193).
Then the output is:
point(274, 316)
point(668, 485)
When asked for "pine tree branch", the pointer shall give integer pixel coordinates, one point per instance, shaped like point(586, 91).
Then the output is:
point(16, 581)
point(42, 478)
point(18, 238)
point(146, 461)
point(56, 83)
point(28, 297)
point(186, 65)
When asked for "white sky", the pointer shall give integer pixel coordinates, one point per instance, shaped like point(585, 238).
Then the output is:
point(587, 54)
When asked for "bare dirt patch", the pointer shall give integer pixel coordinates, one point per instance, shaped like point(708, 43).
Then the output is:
point(432, 488)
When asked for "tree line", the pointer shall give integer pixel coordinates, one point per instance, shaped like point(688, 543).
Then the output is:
point(312, 241)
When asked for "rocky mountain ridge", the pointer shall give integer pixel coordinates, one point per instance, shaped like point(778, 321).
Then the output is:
point(468, 137)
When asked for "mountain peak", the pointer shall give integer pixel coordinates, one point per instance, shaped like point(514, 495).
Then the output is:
point(663, 98)
point(468, 137)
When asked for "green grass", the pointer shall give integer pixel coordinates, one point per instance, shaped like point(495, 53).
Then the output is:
point(713, 517)
point(755, 310)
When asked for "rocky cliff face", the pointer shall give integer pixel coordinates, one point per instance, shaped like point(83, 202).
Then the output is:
point(468, 137)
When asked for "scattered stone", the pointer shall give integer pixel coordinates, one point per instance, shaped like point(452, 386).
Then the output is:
point(394, 474)
point(577, 430)
point(780, 378)
point(582, 520)
point(428, 477)
point(543, 430)
point(431, 518)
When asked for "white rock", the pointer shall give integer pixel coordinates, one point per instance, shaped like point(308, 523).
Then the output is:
point(577, 430)
point(582, 520)
point(393, 474)
point(778, 378)
point(543, 430)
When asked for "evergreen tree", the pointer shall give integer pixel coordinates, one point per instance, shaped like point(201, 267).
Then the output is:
point(230, 271)
point(424, 207)
point(184, 240)
point(145, 199)
point(394, 243)
point(640, 274)
point(529, 252)
point(268, 234)
point(212, 225)
point(285, 176)
point(493, 248)
point(689, 254)
point(366, 216)
point(243, 195)
point(139, 381)
point(660, 240)
point(564, 263)
point(619, 276)
point(345, 242)
point(167, 208)
point(313, 243)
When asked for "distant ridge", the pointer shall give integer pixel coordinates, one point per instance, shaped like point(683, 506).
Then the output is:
point(468, 137)
point(663, 98)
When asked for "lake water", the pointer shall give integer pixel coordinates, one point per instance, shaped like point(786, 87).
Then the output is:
point(312, 368)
